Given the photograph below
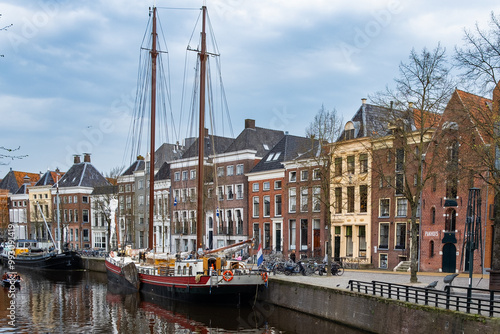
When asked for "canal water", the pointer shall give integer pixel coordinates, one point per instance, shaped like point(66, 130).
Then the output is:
point(80, 302)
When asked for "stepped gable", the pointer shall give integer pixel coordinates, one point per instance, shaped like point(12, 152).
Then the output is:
point(83, 174)
point(136, 166)
point(163, 173)
point(255, 138)
point(15, 179)
point(166, 153)
point(287, 149)
point(213, 145)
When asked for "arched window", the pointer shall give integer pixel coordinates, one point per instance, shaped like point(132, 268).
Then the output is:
point(431, 248)
point(433, 215)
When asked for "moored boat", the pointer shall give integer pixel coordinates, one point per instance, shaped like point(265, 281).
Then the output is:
point(204, 275)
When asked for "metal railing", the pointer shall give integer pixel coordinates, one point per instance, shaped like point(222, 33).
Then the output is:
point(462, 299)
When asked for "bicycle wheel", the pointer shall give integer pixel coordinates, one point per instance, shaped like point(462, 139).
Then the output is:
point(340, 271)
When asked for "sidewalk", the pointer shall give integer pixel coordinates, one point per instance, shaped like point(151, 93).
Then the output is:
point(424, 278)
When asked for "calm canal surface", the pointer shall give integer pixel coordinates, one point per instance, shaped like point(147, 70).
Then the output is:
point(80, 302)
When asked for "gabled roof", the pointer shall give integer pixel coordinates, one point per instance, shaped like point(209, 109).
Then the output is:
point(105, 190)
point(213, 145)
point(83, 174)
point(479, 110)
point(287, 149)
point(256, 138)
point(15, 179)
point(139, 164)
point(48, 179)
point(369, 121)
point(167, 152)
point(163, 173)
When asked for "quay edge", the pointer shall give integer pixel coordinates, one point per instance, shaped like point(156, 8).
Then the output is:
point(94, 264)
point(372, 313)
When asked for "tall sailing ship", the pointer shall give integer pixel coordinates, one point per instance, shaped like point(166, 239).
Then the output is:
point(206, 275)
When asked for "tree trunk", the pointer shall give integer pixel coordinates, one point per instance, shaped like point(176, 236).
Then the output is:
point(495, 252)
point(414, 248)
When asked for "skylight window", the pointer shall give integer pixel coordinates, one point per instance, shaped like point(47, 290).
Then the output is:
point(266, 147)
point(270, 157)
point(276, 156)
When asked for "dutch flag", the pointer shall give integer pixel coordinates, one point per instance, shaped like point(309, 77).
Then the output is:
point(260, 256)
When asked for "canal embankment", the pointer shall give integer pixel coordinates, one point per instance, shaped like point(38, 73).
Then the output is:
point(93, 264)
point(329, 298)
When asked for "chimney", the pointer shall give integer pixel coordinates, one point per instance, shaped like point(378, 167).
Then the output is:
point(76, 159)
point(363, 100)
point(206, 132)
point(249, 123)
point(86, 157)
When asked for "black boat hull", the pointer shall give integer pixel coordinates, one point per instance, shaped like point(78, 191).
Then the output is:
point(48, 261)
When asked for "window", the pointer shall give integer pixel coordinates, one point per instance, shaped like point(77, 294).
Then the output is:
point(76, 216)
point(267, 206)
point(277, 205)
point(348, 240)
point(316, 199)
point(266, 185)
point(400, 159)
point(292, 234)
point(85, 199)
point(293, 176)
point(85, 217)
point(140, 185)
point(350, 199)
point(184, 175)
point(292, 200)
point(363, 198)
point(415, 179)
point(431, 248)
point(192, 174)
point(229, 192)
point(177, 176)
point(316, 174)
point(192, 194)
point(256, 206)
point(75, 199)
point(381, 182)
point(400, 236)
point(382, 261)
point(230, 170)
point(350, 164)
point(220, 193)
point(267, 236)
point(239, 169)
point(349, 134)
point(399, 184)
point(70, 199)
point(255, 186)
point(362, 240)
point(85, 235)
point(239, 191)
point(277, 184)
point(304, 175)
point(383, 242)
point(451, 186)
point(256, 235)
point(338, 166)
point(384, 207)
point(303, 199)
point(363, 163)
point(433, 216)
point(401, 207)
point(303, 234)
point(220, 171)
point(338, 200)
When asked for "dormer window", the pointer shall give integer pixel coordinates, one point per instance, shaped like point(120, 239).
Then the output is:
point(350, 130)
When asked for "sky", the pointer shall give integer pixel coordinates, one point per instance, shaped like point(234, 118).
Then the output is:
point(68, 71)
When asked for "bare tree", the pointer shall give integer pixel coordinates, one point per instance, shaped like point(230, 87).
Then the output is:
point(479, 60)
point(421, 92)
point(325, 129)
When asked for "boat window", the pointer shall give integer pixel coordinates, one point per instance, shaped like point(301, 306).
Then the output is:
point(184, 270)
point(190, 271)
point(178, 270)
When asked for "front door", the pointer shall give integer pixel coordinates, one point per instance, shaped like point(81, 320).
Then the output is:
point(336, 250)
point(316, 243)
point(449, 258)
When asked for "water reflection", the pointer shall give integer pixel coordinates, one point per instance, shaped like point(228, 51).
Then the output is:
point(81, 302)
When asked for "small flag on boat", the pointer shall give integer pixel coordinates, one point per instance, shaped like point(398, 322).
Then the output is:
point(260, 256)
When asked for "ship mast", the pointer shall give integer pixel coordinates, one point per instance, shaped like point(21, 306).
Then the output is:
point(154, 54)
point(201, 136)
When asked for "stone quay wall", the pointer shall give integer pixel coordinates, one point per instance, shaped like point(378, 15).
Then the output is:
point(372, 313)
point(94, 264)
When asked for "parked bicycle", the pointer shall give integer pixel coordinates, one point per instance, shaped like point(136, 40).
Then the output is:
point(337, 269)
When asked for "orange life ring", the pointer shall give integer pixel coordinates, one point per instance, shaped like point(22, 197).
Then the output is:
point(228, 275)
point(264, 276)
